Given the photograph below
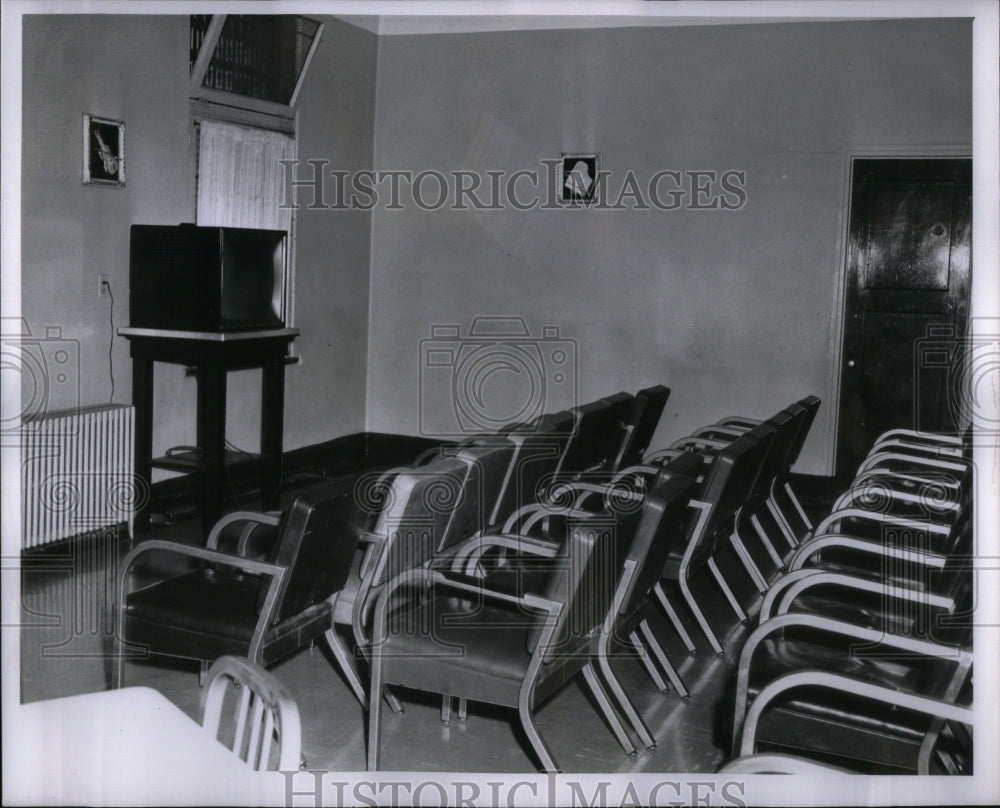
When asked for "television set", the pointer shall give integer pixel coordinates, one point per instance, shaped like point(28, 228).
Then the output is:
point(207, 279)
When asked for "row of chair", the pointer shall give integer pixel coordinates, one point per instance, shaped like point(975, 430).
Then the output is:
point(862, 659)
point(440, 643)
point(560, 531)
point(277, 575)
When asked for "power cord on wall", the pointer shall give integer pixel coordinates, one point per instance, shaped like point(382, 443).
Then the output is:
point(111, 340)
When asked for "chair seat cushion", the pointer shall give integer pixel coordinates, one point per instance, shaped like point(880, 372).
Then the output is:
point(463, 648)
point(203, 600)
point(845, 724)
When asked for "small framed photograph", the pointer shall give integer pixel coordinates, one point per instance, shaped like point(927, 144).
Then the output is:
point(103, 151)
point(579, 178)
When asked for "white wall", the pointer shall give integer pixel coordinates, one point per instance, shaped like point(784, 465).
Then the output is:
point(733, 310)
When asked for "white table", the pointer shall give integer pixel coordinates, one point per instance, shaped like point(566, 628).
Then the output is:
point(123, 747)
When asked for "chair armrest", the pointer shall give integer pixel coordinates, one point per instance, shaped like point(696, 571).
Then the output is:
point(718, 432)
point(815, 545)
point(739, 421)
point(470, 551)
point(691, 442)
point(850, 582)
point(931, 500)
point(907, 447)
point(834, 518)
point(874, 461)
point(426, 578)
point(844, 684)
point(915, 435)
point(775, 763)
point(905, 479)
point(272, 519)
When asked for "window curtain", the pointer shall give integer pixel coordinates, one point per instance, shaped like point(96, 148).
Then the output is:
point(240, 182)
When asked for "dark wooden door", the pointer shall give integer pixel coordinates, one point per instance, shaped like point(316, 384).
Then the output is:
point(908, 264)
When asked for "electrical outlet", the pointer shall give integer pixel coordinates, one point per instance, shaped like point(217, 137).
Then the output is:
point(102, 285)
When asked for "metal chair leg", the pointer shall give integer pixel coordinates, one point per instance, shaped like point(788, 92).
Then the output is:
point(346, 665)
point(699, 615)
point(607, 709)
point(538, 744)
point(737, 609)
point(616, 689)
point(674, 618)
point(748, 563)
point(654, 674)
point(661, 657)
point(766, 541)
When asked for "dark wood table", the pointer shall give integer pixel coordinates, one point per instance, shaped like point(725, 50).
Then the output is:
point(212, 355)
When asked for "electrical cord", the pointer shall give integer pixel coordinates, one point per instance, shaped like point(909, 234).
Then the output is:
point(111, 341)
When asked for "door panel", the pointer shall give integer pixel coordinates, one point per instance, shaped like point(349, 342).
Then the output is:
point(908, 266)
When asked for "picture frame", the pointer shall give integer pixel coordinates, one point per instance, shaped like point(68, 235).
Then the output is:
point(103, 151)
point(578, 174)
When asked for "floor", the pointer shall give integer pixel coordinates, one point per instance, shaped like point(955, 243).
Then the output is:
point(67, 594)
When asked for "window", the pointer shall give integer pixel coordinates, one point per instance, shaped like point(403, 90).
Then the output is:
point(246, 72)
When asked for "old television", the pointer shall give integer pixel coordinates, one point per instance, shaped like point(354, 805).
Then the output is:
point(208, 279)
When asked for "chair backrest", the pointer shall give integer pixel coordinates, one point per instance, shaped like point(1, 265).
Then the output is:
point(810, 404)
point(641, 423)
point(782, 428)
point(725, 489)
point(489, 463)
point(594, 440)
point(264, 712)
point(582, 579)
point(316, 541)
point(416, 517)
point(537, 451)
point(662, 527)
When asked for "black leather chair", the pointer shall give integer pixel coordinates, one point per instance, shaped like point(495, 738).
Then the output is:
point(235, 605)
point(450, 635)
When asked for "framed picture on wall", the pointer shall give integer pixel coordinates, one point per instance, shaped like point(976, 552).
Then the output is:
point(103, 151)
point(578, 178)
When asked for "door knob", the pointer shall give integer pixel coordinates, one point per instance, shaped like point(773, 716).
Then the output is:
point(850, 363)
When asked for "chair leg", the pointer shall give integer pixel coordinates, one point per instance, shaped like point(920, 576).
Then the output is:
point(375, 714)
point(202, 672)
point(798, 508)
point(463, 709)
point(343, 657)
point(748, 563)
point(674, 618)
point(781, 521)
point(699, 615)
point(118, 663)
point(538, 745)
point(644, 656)
point(766, 541)
point(661, 657)
point(737, 609)
point(607, 709)
point(392, 701)
point(445, 708)
point(616, 689)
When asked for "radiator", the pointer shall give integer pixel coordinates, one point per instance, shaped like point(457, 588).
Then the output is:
point(77, 473)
